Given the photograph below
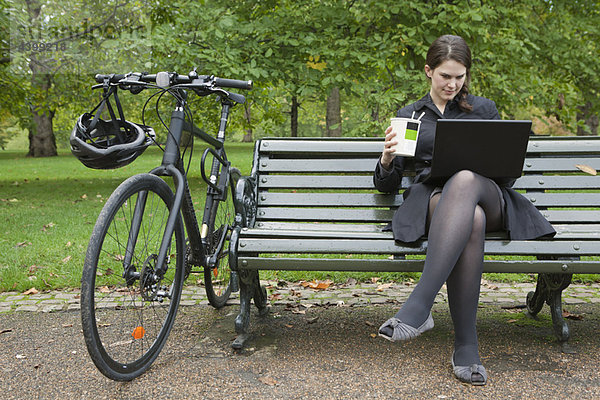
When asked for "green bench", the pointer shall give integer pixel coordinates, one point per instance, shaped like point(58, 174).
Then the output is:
point(310, 204)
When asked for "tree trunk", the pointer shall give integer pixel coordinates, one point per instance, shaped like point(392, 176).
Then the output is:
point(248, 134)
point(294, 117)
point(586, 113)
point(42, 142)
point(333, 119)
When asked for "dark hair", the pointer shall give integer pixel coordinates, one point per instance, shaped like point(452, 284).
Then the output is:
point(450, 47)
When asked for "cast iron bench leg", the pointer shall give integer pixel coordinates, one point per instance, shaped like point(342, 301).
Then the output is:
point(549, 290)
point(250, 288)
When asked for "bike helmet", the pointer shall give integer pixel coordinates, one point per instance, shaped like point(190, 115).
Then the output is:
point(109, 144)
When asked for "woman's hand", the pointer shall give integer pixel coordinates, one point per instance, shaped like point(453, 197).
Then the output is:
point(388, 153)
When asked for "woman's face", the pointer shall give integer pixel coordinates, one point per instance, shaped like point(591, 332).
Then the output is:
point(446, 80)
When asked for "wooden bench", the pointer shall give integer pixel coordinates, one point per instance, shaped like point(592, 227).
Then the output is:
point(310, 204)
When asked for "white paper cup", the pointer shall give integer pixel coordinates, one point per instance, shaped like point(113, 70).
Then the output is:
point(407, 133)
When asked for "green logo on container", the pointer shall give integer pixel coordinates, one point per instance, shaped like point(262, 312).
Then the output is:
point(411, 131)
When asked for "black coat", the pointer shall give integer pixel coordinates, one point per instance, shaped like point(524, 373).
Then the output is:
point(522, 220)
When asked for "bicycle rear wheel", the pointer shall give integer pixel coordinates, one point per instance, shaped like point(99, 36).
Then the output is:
point(127, 310)
point(217, 280)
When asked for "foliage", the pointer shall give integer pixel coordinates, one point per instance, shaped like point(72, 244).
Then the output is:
point(528, 54)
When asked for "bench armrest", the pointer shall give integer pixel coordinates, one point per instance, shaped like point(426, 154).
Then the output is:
point(245, 201)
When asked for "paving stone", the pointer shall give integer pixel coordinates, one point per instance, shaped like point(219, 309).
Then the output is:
point(378, 300)
point(187, 302)
point(26, 308)
point(67, 296)
point(570, 300)
point(74, 307)
point(505, 300)
point(4, 309)
point(51, 308)
point(51, 301)
point(14, 298)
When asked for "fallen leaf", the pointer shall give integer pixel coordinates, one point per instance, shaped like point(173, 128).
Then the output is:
point(510, 321)
point(275, 296)
point(312, 320)
point(375, 279)
point(20, 357)
point(369, 323)
point(48, 226)
point(23, 244)
point(577, 317)
point(84, 196)
point(69, 244)
point(31, 291)
point(319, 285)
point(67, 325)
point(296, 311)
point(104, 289)
point(586, 168)
point(267, 380)
point(66, 259)
point(384, 286)
point(289, 326)
point(13, 200)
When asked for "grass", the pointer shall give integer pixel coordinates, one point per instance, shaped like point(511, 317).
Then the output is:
point(48, 207)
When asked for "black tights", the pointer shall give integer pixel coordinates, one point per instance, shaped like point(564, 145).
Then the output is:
point(468, 206)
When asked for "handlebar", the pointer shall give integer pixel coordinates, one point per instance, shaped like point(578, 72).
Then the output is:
point(166, 79)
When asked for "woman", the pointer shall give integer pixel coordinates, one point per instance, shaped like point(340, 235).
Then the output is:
point(455, 216)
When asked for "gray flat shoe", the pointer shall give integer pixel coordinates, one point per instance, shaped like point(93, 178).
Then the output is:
point(402, 331)
point(467, 373)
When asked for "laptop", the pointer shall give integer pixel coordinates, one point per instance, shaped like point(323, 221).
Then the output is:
point(492, 148)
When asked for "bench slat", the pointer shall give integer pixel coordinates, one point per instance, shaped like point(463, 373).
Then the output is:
point(353, 231)
point(365, 182)
point(386, 265)
point(368, 246)
point(324, 214)
point(367, 165)
point(385, 200)
point(374, 215)
point(375, 146)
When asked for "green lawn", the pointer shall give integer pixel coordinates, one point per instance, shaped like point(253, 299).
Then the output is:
point(48, 207)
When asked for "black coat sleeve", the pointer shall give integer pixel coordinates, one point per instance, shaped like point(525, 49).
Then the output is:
point(389, 181)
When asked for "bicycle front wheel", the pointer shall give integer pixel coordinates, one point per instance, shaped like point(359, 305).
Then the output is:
point(127, 306)
point(217, 280)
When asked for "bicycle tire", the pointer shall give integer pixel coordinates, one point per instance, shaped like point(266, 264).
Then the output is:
point(126, 322)
point(217, 280)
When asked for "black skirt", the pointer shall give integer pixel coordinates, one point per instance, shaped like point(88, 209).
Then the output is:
point(522, 220)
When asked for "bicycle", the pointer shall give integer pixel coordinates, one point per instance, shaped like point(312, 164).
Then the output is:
point(138, 256)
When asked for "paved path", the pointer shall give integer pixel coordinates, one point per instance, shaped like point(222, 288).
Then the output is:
point(315, 344)
point(287, 293)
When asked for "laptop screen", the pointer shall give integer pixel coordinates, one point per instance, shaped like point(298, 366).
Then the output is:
point(492, 148)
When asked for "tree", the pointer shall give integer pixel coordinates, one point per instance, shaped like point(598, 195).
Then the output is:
point(55, 50)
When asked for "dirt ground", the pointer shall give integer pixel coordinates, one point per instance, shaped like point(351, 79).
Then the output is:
point(326, 353)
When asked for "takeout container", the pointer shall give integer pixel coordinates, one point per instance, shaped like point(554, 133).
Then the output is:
point(407, 134)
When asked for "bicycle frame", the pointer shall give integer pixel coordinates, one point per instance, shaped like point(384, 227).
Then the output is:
point(172, 166)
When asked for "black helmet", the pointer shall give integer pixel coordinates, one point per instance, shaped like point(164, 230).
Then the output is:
point(109, 144)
